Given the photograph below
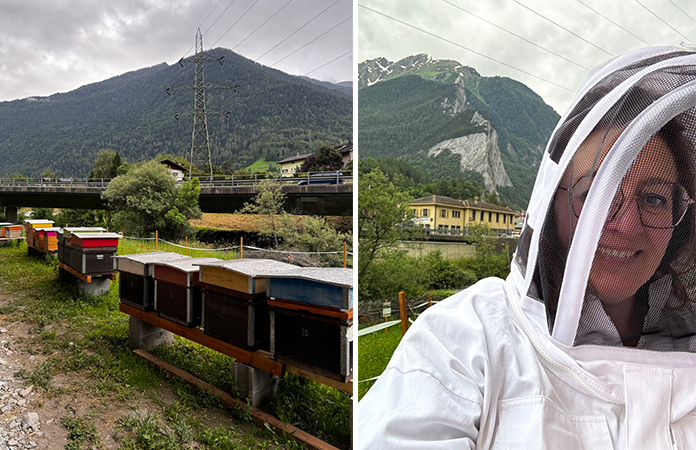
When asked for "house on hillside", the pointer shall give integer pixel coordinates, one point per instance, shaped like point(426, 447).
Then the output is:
point(346, 152)
point(290, 165)
point(447, 215)
point(176, 170)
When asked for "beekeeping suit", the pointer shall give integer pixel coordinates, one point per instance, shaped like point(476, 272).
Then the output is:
point(590, 343)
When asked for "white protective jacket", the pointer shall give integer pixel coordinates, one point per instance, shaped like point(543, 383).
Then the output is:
point(589, 343)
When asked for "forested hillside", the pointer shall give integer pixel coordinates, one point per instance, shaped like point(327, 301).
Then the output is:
point(274, 115)
point(409, 106)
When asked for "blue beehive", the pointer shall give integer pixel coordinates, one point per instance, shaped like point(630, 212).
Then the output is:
point(327, 287)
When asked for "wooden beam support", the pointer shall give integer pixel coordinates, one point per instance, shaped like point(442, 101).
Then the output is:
point(259, 417)
point(346, 387)
point(259, 359)
point(81, 276)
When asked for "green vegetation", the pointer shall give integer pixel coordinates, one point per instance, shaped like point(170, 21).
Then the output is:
point(275, 115)
point(85, 339)
point(313, 234)
point(261, 165)
point(376, 350)
point(147, 199)
point(404, 116)
point(325, 160)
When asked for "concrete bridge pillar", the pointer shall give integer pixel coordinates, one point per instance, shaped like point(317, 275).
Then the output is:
point(11, 214)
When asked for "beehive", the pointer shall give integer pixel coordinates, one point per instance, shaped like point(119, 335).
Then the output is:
point(177, 290)
point(10, 231)
point(136, 286)
point(46, 238)
point(234, 300)
point(29, 227)
point(68, 231)
point(304, 336)
point(327, 287)
point(90, 253)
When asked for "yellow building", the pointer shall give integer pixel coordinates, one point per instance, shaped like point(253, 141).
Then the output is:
point(451, 216)
point(289, 166)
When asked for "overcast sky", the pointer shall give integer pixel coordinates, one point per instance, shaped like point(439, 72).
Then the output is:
point(596, 41)
point(59, 45)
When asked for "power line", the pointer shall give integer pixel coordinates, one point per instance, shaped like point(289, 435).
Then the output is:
point(692, 19)
point(335, 59)
point(627, 31)
point(563, 28)
point(517, 36)
point(257, 28)
point(291, 34)
point(688, 40)
point(295, 51)
point(221, 14)
point(466, 48)
point(235, 22)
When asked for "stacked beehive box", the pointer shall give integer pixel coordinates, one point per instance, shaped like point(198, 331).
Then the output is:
point(235, 302)
point(10, 231)
point(32, 237)
point(136, 286)
point(178, 291)
point(46, 238)
point(89, 253)
point(311, 313)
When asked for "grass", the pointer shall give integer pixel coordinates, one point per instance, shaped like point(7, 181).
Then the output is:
point(260, 165)
point(375, 351)
point(129, 246)
point(87, 336)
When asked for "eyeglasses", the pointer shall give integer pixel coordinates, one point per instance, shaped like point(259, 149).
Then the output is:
point(660, 204)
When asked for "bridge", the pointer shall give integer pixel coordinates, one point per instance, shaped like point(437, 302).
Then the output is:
point(218, 196)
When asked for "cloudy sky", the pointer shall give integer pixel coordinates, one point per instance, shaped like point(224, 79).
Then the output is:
point(575, 35)
point(59, 45)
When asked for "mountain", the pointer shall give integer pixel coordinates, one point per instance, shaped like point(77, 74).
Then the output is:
point(274, 115)
point(448, 120)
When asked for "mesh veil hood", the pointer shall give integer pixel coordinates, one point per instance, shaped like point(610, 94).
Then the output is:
point(606, 254)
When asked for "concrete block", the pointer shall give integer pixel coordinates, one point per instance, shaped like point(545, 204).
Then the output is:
point(11, 214)
point(145, 336)
point(255, 384)
point(98, 286)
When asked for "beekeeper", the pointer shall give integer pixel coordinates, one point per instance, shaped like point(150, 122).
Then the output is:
point(590, 343)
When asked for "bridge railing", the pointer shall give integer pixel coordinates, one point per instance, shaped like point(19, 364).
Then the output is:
point(217, 181)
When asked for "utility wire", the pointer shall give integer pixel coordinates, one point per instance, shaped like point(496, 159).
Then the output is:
point(295, 51)
point(335, 59)
point(235, 22)
point(563, 28)
point(516, 35)
point(677, 31)
point(291, 34)
point(221, 14)
point(466, 48)
point(257, 28)
point(692, 19)
point(597, 12)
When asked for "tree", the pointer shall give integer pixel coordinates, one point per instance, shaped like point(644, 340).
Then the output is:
point(106, 165)
point(326, 159)
point(381, 206)
point(146, 199)
point(269, 202)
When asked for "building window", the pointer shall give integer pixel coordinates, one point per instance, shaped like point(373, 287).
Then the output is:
point(504, 218)
point(415, 213)
point(456, 214)
point(490, 217)
point(425, 213)
point(443, 213)
point(497, 217)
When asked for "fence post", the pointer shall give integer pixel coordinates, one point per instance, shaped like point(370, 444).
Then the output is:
point(289, 257)
point(241, 247)
point(186, 246)
point(156, 239)
point(345, 245)
point(404, 314)
point(430, 301)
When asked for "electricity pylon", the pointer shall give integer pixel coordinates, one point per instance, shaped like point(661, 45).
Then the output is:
point(200, 142)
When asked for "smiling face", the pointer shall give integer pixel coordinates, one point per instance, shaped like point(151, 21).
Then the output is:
point(628, 252)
